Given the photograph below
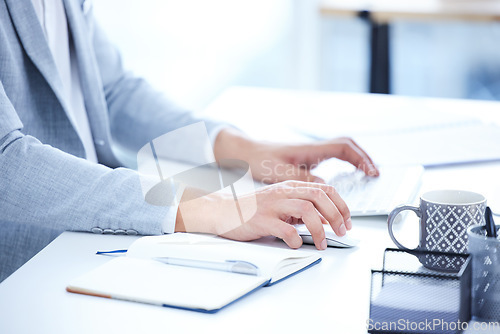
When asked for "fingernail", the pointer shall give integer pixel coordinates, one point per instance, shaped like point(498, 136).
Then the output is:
point(348, 224)
point(342, 230)
point(323, 244)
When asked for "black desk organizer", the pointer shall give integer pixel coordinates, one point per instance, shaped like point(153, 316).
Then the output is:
point(408, 298)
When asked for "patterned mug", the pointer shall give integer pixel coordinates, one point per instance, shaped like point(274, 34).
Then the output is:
point(444, 216)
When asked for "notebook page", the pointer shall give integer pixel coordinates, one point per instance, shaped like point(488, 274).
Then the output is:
point(152, 282)
point(210, 248)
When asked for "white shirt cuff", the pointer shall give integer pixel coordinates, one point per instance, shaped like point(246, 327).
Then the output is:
point(212, 135)
point(168, 223)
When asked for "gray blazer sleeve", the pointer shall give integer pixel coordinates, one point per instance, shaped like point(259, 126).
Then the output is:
point(44, 186)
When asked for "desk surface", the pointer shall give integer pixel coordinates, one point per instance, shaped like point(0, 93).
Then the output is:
point(332, 296)
point(387, 10)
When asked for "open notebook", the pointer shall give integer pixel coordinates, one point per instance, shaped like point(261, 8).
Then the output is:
point(138, 277)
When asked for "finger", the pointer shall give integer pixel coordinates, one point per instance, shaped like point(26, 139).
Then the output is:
point(318, 180)
point(340, 204)
point(294, 221)
point(322, 203)
point(363, 152)
point(334, 196)
point(306, 211)
point(286, 232)
point(351, 152)
point(372, 169)
point(323, 220)
point(354, 154)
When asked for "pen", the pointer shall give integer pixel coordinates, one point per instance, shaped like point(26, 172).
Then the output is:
point(491, 230)
point(233, 266)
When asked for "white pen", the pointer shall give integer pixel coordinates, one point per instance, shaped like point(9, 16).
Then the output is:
point(233, 266)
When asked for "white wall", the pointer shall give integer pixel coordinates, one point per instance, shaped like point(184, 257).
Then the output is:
point(193, 49)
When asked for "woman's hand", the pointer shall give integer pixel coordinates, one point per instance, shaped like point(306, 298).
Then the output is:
point(271, 210)
point(272, 163)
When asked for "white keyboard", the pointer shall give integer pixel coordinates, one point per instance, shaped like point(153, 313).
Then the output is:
point(370, 196)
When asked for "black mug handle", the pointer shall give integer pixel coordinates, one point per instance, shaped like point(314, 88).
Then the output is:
point(392, 217)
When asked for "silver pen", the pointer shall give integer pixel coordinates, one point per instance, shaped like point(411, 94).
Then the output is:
point(233, 266)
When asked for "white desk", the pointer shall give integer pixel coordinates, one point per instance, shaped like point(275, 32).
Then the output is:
point(331, 297)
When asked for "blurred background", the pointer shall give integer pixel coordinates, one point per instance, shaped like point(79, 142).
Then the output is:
point(194, 49)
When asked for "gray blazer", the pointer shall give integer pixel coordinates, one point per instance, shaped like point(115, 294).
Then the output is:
point(46, 185)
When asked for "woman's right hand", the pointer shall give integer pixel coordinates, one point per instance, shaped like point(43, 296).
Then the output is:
point(271, 210)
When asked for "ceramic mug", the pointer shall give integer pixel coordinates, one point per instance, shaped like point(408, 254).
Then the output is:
point(444, 216)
